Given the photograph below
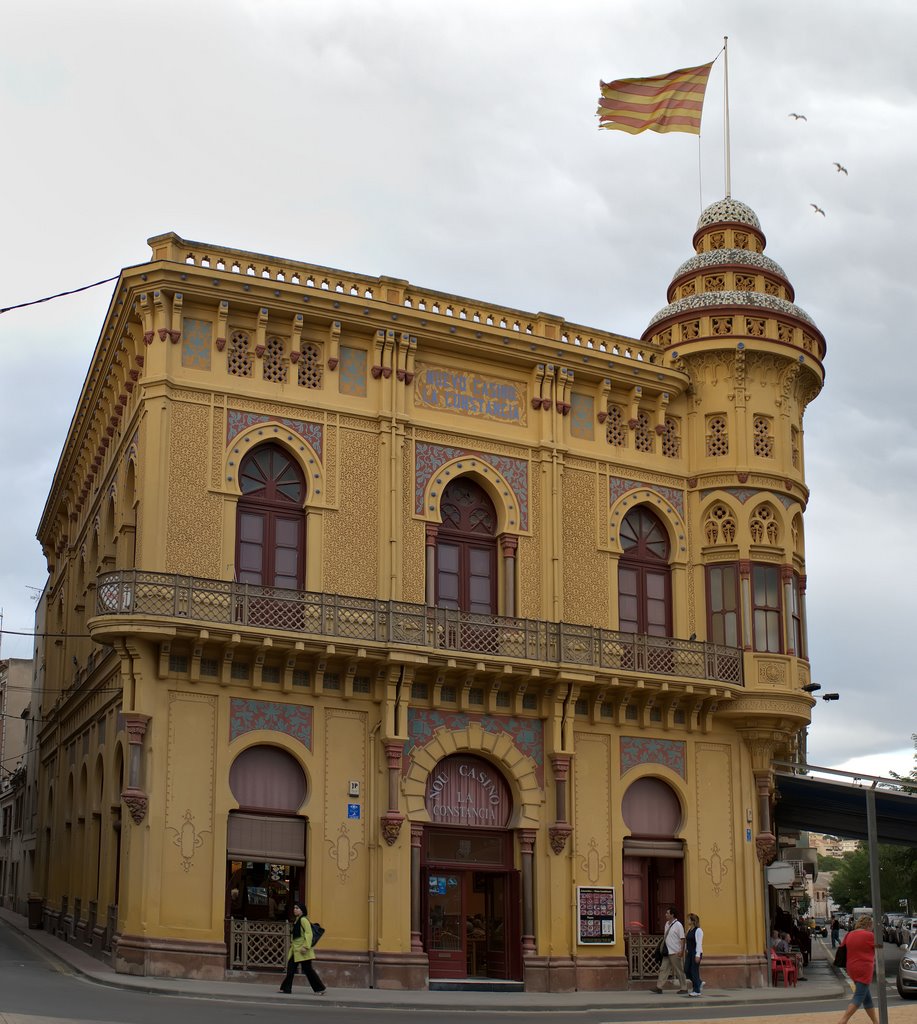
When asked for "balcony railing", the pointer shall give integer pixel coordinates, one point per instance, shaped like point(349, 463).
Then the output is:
point(133, 592)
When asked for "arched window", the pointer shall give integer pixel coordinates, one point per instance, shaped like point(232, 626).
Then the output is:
point(270, 521)
point(644, 578)
point(466, 549)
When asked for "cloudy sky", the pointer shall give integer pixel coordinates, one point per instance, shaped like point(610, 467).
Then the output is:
point(455, 145)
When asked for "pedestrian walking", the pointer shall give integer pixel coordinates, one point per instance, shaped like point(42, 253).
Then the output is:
point(861, 962)
point(673, 960)
point(301, 953)
point(694, 952)
point(835, 932)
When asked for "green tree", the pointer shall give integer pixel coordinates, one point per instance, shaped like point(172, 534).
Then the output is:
point(912, 775)
point(851, 887)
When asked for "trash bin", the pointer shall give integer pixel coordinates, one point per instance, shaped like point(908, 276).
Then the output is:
point(36, 907)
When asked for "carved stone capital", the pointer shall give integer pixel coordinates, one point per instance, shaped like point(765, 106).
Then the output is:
point(137, 803)
point(135, 724)
point(393, 754)
point(391, 823)
point(766, 848)
point(527, 840)
point(559, 834)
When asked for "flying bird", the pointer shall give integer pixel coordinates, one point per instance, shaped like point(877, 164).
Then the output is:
point(840, 167)
point(799, 117)
point(817, 209)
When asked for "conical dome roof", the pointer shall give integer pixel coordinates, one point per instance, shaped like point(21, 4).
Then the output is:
point(728, 211)
point(729, 270)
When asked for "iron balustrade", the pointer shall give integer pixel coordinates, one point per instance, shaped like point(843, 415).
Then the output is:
point(134, 592)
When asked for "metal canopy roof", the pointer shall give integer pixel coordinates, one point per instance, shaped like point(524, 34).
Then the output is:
point(839, 809)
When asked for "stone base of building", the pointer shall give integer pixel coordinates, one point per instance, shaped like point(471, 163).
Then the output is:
point(574, 974)
point(611, 974)
point(168, 958)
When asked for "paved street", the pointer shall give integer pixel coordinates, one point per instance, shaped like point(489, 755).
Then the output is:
point(43, 980)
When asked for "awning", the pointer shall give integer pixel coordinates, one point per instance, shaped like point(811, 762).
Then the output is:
point(839, 809)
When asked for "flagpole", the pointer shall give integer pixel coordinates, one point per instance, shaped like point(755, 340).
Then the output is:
point(726, 114)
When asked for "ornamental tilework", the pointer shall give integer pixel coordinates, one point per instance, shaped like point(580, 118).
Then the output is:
point(527, 733)
point(669, 753)
point(237, 421)
point(195, 344)
point(292, 719)
point(618, 486)
point(428, 458)
point(582, 416)
point(352, 371)
point(742, 494)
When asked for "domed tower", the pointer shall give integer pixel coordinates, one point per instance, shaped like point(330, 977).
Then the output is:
point(754, 362)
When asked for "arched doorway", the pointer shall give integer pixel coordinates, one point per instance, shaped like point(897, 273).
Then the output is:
point(644, 576)
point(470, 889)
point(265, 855)
point(270, 520)
point(652, 866)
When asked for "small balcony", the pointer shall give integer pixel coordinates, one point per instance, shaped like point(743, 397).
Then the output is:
point(402, 624)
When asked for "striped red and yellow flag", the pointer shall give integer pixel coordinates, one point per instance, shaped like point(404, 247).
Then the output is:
point(664, 103)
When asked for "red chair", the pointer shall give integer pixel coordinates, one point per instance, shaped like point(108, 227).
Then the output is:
point(783, 965)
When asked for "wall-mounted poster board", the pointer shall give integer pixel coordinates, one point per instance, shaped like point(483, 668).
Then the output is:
point(595, 915)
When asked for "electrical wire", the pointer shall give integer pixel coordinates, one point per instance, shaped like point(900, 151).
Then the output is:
point(58, 295)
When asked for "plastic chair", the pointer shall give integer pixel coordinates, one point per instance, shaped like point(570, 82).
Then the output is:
point(783, 965)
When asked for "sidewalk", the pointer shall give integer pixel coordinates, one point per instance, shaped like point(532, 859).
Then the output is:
point(822, 984)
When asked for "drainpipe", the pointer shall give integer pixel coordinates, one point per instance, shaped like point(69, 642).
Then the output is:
point(374, 855)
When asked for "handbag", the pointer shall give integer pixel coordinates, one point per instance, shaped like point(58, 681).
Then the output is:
point(840, 957)
point(317, 932)
point(659, 951)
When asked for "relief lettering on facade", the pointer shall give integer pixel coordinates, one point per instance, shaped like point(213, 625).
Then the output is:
point(470, 394)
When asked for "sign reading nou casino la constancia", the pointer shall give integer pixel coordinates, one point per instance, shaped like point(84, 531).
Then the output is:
point(468, 791)
point(470, 394)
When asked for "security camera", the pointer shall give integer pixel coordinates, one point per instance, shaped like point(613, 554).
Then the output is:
point(831, 696)
point(811, 687)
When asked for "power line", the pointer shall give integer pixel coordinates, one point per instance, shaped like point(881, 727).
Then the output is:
point(58, 295)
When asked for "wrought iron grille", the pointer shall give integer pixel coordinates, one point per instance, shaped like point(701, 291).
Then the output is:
point(133, 592)
point(257, 944)
point(641, 955)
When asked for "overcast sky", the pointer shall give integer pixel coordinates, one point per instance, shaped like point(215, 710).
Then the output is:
point(455, 145)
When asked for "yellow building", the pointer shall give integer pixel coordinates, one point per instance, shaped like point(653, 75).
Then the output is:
point(477, 629)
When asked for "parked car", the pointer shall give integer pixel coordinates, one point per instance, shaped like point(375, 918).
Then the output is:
point(892, 928)
point(909, 929)
point(907, 972)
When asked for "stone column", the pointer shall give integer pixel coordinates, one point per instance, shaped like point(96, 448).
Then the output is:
point(416, 895)
point(527, 848)
point(560, 830)
point(803, 625)
point(432, 532)
point(508, 545)
point(786, 575)
point(745, 590)
point(133, 793)
point(392, 819)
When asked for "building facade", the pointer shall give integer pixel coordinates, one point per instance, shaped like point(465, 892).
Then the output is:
point(15, 691)
point(477, 629)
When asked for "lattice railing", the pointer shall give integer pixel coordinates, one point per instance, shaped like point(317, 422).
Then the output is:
point(133, 592)
point(641, 955)
point(254, 944)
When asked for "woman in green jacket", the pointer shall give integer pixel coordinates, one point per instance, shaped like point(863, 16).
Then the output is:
point(301, 953)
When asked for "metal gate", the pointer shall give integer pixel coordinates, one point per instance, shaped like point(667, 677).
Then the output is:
point(257, 944)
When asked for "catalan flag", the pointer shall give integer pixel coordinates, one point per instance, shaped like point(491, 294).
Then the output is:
point(664, 103)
